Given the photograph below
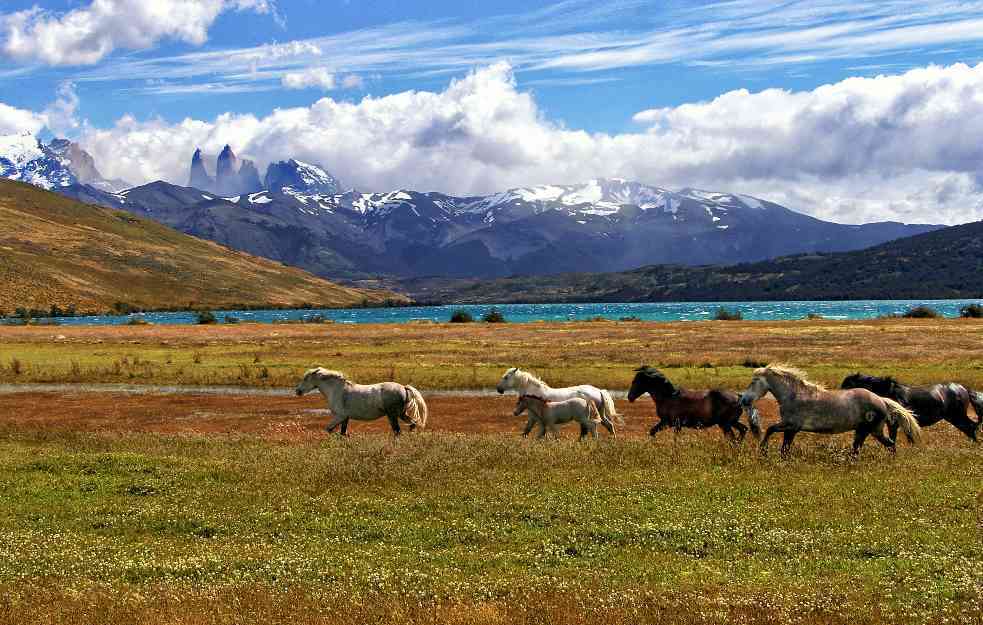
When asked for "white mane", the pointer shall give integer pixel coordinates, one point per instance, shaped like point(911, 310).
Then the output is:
point(524, 378)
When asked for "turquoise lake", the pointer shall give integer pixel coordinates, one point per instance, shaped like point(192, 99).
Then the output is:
point(676, 311)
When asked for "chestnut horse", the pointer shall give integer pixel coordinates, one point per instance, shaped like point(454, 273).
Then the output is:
point(679, 407)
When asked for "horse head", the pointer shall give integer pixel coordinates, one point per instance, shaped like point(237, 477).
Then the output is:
point(757, 389)
point(651, 380)
point(523, 403)
point(885, 387)
point(314, 377)
point(507, 381)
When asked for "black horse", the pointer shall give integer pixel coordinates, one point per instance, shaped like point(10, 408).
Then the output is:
point(930, 404)
point(679, 407)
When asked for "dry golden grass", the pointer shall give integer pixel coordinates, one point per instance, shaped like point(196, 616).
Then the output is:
point(695, 354)
point(55, 251)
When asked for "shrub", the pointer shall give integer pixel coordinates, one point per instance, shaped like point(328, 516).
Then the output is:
point(922, 312)
point(750, 363)
point(973, 311)
point(723, 314)
point(138, 321)
point(814, 316)
point(317, 318)
point(461, 316)
point(630, 318)
point(493, 316)
point(231, 319)
point(206, 317)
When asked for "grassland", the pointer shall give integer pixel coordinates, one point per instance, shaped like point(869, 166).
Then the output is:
point(55, 251)
point(442, 356)
point(212, 509)
point(128, 528)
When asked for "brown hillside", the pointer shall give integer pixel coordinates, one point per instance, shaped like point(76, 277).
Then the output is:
point(55, 251)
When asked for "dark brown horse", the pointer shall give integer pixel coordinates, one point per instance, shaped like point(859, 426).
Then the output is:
point(678, 407)
point(931, 404)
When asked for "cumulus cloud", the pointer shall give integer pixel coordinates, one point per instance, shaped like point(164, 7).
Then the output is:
point(316, 77)
point(85, 35)
point(59, 117)
point(905, 147)
point(18, 121)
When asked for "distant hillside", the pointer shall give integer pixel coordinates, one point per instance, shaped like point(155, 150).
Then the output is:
point(56, 251)
point(946, 263)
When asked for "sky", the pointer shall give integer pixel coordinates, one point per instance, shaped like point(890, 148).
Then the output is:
point(849, 111)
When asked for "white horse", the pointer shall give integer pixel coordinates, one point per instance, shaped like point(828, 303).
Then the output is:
point(550, 414)
point(526, 383)
point(365, 402)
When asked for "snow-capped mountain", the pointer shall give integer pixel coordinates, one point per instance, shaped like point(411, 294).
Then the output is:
point(301, 216)
point(60, 164)
point(301, 177)
point(23, 157)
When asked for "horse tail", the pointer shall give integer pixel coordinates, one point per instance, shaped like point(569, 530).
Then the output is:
point(977, 400)
point(592, 412)
point(610, 411)
point(416, 408)
point(899, 415)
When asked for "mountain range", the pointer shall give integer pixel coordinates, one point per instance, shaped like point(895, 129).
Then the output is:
point(943, 264)
point(301, 215)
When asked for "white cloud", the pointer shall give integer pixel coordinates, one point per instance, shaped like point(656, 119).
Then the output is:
point(316, 77)
point(904, 147)
point(18, 121)
point(86, 35)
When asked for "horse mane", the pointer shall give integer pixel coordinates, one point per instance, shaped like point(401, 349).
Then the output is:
point(542, 400)
point(654, 374)
point(525, 377)
point(795, 378)
point(326, 374)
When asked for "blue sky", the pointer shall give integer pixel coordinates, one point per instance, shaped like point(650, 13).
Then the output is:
point(616, 71)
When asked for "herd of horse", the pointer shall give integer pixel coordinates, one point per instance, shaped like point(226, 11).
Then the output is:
point(864, 405)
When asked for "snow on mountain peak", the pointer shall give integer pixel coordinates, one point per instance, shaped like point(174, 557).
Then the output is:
point(23, 157)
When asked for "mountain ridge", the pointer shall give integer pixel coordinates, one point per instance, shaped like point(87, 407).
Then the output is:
point(59, 252)
point(942, 264)
point(303, 218)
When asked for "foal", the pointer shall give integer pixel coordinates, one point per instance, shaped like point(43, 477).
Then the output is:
point(550, 414)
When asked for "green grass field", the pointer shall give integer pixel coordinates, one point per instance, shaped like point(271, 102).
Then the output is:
point(114, 526)
point(148, 528)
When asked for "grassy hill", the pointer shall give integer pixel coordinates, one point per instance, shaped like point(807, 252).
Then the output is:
point(947, 263)
point(56, 251)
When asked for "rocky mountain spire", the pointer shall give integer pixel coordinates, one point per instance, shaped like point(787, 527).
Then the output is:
point(199, 178)
point(227, 173)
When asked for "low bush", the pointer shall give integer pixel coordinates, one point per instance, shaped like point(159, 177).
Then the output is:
point(922, 312)
point(723, 314)
point(493, 316)
point(206, 317)
point(972, 311)
point(461, 316)
point(231, 319)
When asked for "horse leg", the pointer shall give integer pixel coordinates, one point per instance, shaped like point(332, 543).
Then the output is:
point(531, 422)
point(728, 432)
point(542, 431)
point(394, 422)
point(740, 427)
point(787, 441)
point(883, 440)
point(963, 423)
point(335, 422)
point(344, 427)
point(657, 427)
point(777, 427)
point(892, 431)
point(859, 436)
